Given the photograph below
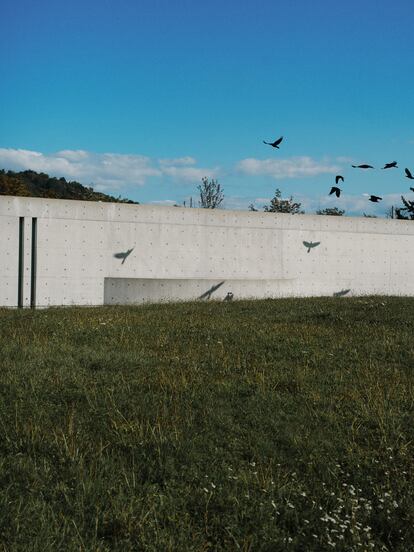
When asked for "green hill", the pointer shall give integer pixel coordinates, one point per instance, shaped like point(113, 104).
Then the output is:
point(33, 184)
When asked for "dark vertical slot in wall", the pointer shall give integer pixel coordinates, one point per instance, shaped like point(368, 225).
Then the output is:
point(33, 264)
point(21, 263)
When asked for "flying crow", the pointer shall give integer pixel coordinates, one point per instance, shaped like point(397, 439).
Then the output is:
point(408, 174)
point(338, 178)
point(392, 165)
point(336, 191)
point(274, 144)
point(362, 166)
point(374, 198)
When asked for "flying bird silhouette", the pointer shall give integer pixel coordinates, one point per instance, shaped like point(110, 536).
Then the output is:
point(310, 245)
point(336, 191)
point(123, 255)
point(374, 198)
point(338, 178)
point(274, 144)
point(362, 166)
point(408, 174)
point(392, 165)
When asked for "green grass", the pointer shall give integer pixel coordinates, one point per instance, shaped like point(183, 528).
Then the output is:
point(273, 425)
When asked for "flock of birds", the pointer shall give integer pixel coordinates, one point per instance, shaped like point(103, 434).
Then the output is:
point(337, 191)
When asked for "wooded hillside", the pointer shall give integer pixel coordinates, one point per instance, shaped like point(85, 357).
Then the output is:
point(33, 184)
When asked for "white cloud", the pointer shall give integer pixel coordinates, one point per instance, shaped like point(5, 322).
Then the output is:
point(106, 171)
point(168, 202)
point(344, 159)
point(34, 160)
point(73, 155)
point(295, 167)
point(189, 174)
point(178, 161)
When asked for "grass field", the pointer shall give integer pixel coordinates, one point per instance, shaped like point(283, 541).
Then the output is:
point(271, 425)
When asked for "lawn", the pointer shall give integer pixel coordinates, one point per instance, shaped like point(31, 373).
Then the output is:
point(276, 425)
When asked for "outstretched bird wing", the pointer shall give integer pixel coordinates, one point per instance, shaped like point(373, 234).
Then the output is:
point(338, 178)
point(274, 144)
point(408, 174)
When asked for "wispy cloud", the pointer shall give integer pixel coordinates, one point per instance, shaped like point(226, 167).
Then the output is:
point(295, 167)
point(188, 174)
point(106, 171)
point(178, 161)
point(167, 202)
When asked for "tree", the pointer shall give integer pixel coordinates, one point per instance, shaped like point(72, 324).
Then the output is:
point(334, 211)
point(279, 205)
point(406, 212)
point(211, 194)
point(33, 184)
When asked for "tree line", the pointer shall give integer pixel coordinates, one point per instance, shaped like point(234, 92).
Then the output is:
point(33, 184)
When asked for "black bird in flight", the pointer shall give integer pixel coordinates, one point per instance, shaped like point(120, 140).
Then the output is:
point(338, 178)
point(309, 245)
point(374, 198)
point(362, 166)
point(123, 255)
point(392, 165)
point(408, 174)
point(336, 191)
point(274, 144)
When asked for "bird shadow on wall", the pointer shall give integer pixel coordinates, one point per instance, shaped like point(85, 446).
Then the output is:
point(207, 294)
point(123, 255)
point(341, 293)
point(310, 245)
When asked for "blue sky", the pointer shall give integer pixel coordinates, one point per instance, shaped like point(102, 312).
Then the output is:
point(143, 98)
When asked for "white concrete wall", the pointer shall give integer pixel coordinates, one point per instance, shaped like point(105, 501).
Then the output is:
point(180, 253)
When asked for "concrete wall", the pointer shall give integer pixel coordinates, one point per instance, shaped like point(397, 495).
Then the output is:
point(182, 253)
